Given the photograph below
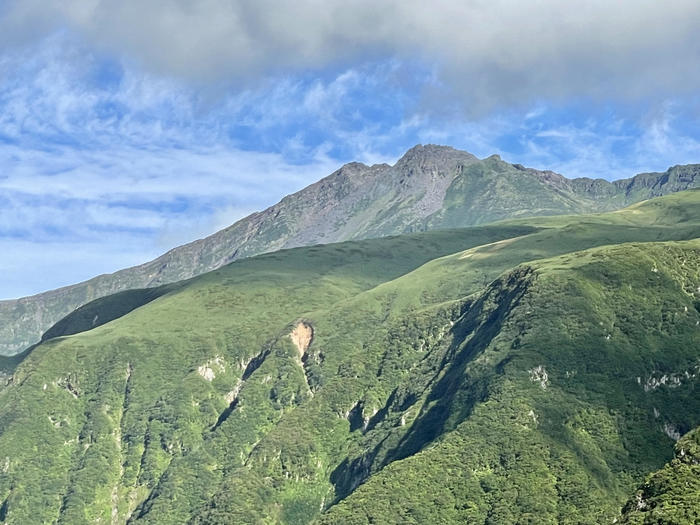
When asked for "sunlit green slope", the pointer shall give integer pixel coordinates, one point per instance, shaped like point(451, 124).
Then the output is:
point(564, 383)
point(671, 495)
point(515, 379)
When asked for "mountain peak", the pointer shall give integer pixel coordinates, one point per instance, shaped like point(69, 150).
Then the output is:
point(433, 154)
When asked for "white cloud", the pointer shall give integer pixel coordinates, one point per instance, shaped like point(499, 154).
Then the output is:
point(488, 53)
point(120, 172)
point(123, 207)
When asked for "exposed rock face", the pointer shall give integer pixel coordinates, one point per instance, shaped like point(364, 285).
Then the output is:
point(539, 375)
point(302, 336)
point(430, 187)
point(209, 369)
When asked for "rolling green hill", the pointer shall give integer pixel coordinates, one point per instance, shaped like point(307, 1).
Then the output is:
point(429, 188)
point(534, 370)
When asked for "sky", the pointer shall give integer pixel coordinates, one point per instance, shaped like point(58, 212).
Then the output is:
point(130, 127)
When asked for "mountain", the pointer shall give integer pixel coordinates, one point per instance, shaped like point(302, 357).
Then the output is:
point(534, 370)
point(430, 187)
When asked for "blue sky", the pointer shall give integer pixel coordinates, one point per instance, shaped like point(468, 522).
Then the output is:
point(127, 128)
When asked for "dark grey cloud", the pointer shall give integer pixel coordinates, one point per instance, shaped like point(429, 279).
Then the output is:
point(487, 53)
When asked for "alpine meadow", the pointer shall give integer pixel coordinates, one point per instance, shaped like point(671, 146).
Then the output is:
point(349, 263)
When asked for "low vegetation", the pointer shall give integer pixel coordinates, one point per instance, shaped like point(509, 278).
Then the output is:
point(532, 371)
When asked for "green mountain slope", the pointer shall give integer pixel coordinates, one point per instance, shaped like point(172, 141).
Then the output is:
point(671, 495)
point(553, 401)
point(430, 187)
point(517, 378)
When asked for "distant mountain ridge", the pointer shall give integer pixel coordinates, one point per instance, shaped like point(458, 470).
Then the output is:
point(430, 187)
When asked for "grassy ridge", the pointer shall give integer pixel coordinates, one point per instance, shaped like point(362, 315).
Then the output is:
point(552, 416)
point(198, 406)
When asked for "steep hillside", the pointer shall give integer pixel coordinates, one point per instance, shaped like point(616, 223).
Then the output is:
point(570, 379)
point(430, 187)
point(671, 495)
point(518, 378)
